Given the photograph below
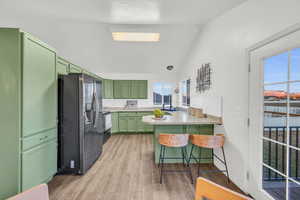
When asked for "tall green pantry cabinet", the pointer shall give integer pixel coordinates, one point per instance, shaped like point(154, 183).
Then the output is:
point(28, 117)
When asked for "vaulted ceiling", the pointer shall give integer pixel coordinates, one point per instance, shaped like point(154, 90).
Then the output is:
point(81, 29)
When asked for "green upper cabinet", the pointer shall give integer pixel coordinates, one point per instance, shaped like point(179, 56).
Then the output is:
point(39, 87)
point(62, 66)
point(139, 89)
point(130, 89)
point(108, 89)
point(122, 89)
point(75, 69)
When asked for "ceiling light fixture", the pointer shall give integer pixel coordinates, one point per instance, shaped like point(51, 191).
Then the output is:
point(136, 36)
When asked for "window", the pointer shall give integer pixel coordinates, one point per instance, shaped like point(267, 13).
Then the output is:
point(186, 92)
point(162, 93)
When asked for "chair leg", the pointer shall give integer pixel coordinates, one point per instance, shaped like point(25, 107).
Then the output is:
point(228, 179)
point(160, 153)
point(191, 154)
point(198, 162)
point(162, 163)
point(185, 154)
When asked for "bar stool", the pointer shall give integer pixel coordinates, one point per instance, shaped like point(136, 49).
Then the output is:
point(208, 142)
point(174, 141)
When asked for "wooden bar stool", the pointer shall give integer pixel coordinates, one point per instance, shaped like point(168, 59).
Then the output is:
point(209, 142)
point(173, 141)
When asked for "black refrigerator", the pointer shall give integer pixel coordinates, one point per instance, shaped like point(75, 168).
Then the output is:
point(80, 122)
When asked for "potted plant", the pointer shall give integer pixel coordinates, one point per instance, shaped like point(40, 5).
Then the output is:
point(158, 113)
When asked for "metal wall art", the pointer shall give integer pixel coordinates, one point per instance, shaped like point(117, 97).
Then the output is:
point(203, 80)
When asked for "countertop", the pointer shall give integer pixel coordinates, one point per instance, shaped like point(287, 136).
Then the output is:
point(122, 109)
point(181, 118)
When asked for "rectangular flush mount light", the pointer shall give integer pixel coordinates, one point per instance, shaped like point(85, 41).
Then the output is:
point(136, 36)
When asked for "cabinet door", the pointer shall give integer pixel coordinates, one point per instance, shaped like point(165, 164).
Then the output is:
point(122, 89)
point(39, 164)
point(139, 89)
point(123, 124)
point(62, 67)
point(132, 124)
point(39, 87)
point(148, 128)
point(115, 122)
point(140, 124)
point(108, 89)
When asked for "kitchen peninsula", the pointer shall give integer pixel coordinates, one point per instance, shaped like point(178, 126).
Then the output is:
point(181, 122)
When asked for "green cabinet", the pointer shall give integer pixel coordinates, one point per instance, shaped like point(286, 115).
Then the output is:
point(123, 124)
point(130, 122)
point(28, 108)
point(39, 164)
point(108, 88)
point(130, 89)
point(39, 87)
point(62, 66)
point(139, 89)
point(115, 122)
point(122, 89)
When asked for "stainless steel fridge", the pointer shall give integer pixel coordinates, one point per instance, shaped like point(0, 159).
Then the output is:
point(80, 121)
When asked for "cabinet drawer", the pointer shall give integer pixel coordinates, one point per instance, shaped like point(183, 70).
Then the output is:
point(127, 114)
point(39, 164)
point(40, 138)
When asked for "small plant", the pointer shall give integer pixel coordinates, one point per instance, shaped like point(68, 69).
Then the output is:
point(158, 113)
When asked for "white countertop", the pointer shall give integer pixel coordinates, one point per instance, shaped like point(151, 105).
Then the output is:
point(122, 109)
point(180, 118)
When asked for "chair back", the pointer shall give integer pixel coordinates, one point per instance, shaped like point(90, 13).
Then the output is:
point(207, 190)
point(208, 141)
point(39, 192)
point(173, 140)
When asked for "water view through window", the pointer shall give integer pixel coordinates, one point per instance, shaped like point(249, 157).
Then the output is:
point(281, 137)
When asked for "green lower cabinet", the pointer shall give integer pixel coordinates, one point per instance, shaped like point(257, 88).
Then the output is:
point(176, 152)
point(39, 164)
point(123, 124)
point(140, 125)
point(115, 122)
point(132, 124)
point(128, 124)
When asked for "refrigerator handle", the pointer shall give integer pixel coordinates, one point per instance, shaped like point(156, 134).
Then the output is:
point(96, 111)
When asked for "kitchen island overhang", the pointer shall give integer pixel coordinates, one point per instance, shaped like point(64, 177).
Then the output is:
point(180, 122)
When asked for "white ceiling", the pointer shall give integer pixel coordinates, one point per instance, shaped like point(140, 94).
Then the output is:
point(81, 29)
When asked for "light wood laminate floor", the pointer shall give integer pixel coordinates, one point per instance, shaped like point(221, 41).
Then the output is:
point(126, 171)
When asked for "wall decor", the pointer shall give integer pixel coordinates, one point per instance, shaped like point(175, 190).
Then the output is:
point(203, 79)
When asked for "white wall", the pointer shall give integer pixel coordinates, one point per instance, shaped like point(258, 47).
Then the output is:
point(223, 43)
point(152, 78)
